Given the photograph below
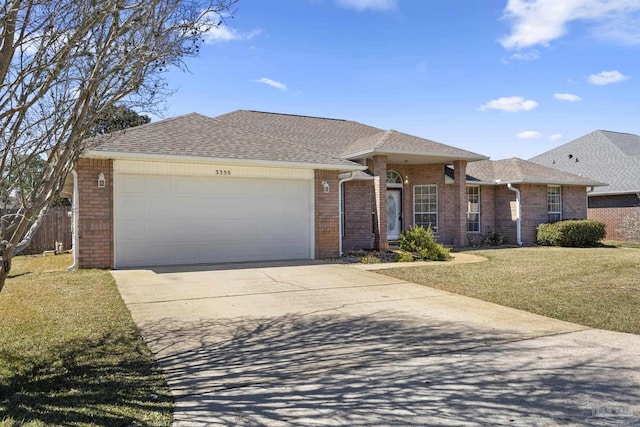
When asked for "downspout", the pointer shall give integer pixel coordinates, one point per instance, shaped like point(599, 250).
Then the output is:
point(340, 207)
point(518, 219)
point(75, 210)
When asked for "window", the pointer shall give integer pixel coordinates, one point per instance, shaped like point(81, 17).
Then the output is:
point(425, 206)
point(554, 203)
point(394, 177)
point(473, 209)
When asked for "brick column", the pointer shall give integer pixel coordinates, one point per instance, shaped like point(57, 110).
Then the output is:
point(327, 215)
point(95, 213)
point(380, 195)
point(460, 203)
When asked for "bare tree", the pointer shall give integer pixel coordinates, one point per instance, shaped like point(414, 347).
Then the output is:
point(63, 64)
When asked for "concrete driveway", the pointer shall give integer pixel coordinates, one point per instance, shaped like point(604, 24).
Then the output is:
point(324, 344)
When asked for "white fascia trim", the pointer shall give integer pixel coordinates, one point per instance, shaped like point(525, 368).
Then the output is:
point(548, 182)
point(474, 157)
point(612, 193)
point(213, 160)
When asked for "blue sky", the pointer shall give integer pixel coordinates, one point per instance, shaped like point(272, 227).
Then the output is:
point(502, 78)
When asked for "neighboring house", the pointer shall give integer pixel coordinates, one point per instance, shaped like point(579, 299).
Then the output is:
point(248, 186)
point(610, 157)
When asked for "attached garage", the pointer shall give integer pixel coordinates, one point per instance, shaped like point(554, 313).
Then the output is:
point(171, 214)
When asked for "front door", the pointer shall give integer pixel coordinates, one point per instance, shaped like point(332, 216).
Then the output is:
point(394, 213)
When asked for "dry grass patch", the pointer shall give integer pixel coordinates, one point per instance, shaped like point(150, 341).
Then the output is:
point(596, 287)
point(70, 353)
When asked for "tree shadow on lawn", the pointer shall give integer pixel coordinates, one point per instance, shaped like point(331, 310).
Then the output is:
point(88, 383)
point(383, 369)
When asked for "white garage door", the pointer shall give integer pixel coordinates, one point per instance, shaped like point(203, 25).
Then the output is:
point(172, 220)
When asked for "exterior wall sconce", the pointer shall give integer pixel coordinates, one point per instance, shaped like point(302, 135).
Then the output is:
point(101, 181)
point(406, 172)
point(325, 186)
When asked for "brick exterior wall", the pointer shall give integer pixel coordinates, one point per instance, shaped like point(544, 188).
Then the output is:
point(358, 215)
point(327, 215)
point(459, 203)
point(612, 210)
point(95, 214)
point(379, 170)
point(533, 206)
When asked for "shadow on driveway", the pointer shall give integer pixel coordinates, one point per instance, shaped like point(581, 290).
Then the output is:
point(387, 368)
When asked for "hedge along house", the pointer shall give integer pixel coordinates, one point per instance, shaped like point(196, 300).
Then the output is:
point(248, 186)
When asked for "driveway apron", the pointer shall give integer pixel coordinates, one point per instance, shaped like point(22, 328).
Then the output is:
point(308, 344)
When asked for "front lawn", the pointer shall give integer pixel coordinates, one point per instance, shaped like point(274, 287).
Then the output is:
point(70, 353)
point(596, 287)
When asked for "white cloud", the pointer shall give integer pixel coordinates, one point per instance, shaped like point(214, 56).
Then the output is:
point(272, 83)
point(361, 5)
point(607, 77)
point(555, 137)
point(528, 134)
point(567, 97)
point(510, 104)
point(221, 33)
point(538, 22)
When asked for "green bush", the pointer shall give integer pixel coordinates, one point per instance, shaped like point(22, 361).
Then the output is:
point(402, 256)
point(573, 233)
point(422, 244)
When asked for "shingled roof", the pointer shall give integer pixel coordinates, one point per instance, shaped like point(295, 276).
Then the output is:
point(517, 170)
point(197, 136)
point(611, 157)
point(253, 135)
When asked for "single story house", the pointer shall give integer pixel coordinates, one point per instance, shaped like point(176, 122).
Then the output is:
point(611, 157)
point(248, 186)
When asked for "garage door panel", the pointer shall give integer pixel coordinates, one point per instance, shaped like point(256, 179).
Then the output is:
point(163, 220)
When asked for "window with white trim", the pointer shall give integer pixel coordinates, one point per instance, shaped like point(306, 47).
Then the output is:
point(394, 177)
point(554, 203)
point(425, 206)
point(473, 208)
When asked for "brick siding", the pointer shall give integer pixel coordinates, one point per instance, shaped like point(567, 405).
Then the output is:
point(327, 215)
point(612, 210)
point(95, 214)
point(358, 215)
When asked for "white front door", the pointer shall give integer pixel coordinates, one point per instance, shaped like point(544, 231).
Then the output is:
point(394, 213)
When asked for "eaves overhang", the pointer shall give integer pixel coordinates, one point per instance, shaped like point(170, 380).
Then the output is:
point(347, 166)
point(415, 157)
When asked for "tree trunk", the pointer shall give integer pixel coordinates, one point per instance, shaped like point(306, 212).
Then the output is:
point(5, 268)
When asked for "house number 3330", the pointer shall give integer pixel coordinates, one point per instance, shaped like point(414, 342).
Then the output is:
point(223, 172)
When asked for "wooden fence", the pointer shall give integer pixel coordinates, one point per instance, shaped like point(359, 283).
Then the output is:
point(55, 227)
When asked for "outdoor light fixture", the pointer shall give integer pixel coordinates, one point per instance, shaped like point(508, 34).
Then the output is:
point(406, 173)
point(325, 186)
point(101, 180)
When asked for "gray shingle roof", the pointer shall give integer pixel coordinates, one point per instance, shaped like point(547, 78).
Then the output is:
point(516, 170)
point(273, 137)
point(393, 141)
point(606, 156)
point(200, 136)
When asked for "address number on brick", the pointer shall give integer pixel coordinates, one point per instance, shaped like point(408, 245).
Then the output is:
point(223, 172)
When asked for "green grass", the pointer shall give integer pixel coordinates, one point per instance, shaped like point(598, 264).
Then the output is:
point(596, 287)
point(70, 353)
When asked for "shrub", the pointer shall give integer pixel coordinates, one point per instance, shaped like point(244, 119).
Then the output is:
point(494, 238)
point(402, 256)
point(572, 233)
point(422, 244)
